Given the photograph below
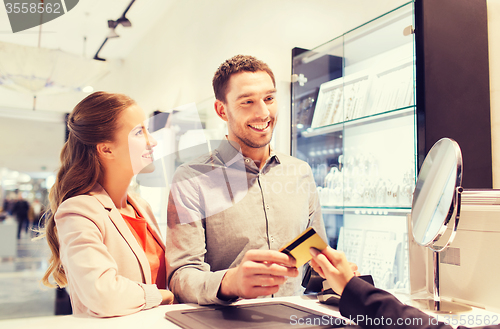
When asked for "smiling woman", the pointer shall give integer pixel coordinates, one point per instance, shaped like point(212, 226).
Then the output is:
point(140, 144)
point(105, 243)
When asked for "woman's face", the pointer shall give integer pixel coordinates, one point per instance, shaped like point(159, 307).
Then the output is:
point(133, 143)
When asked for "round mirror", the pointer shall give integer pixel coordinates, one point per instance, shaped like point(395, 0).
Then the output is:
point(435, 199)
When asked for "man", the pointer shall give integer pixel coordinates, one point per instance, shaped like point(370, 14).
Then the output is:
point(231, 210)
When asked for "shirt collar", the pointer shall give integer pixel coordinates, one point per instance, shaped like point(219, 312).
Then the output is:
point(273, 155)
point(229, 152)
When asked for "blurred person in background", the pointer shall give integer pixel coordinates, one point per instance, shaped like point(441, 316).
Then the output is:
point(21, 212)
point(8, 203)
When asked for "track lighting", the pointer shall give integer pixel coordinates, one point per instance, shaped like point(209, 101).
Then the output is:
point(124, 21)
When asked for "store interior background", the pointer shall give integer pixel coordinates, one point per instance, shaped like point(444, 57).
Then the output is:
point(165, 60)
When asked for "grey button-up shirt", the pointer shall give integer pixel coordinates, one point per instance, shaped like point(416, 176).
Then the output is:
point(221, 205)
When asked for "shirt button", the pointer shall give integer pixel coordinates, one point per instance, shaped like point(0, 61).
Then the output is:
point(272, 238)
point(267, 206)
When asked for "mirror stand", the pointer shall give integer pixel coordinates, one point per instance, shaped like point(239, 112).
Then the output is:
point(436, 204)
point(435, 304)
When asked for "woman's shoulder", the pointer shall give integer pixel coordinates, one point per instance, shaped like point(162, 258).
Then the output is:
point(81, 205)
point(80, 199)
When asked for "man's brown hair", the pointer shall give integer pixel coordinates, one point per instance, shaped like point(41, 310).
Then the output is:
point(236, 64)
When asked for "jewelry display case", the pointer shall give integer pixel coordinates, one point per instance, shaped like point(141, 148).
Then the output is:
point(354, 122)
point(368, 105)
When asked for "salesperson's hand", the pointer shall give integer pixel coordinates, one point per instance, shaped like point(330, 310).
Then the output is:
point(167, 297)
point(333, 266)
point(260, 273)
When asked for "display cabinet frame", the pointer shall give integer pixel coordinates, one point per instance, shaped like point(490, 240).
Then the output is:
point(450, 98)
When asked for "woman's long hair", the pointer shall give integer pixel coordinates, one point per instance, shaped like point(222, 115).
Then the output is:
point(93, 121)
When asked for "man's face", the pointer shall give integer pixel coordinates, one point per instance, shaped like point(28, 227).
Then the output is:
point(250, 109)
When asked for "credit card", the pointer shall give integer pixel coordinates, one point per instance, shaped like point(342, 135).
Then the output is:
point(298, 248)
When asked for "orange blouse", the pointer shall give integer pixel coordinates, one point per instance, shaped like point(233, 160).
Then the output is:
point(152, 248)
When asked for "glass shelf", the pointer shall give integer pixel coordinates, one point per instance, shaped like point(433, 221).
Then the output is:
point(381, 211)
point(393, 114)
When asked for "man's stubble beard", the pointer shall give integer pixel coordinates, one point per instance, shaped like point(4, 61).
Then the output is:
point(249, 143)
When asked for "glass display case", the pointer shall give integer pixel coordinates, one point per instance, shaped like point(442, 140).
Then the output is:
point(354, 122)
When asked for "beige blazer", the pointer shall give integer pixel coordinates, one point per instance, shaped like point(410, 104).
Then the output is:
point(108, 271)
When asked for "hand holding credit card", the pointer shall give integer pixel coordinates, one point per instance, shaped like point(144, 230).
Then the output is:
point(298, 248)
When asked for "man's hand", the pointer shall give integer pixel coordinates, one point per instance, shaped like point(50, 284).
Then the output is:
point(333, 266)
point(260, 273)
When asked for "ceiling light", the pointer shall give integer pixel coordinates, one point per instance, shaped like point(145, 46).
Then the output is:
point(88, 89)
point(25, 187)
point(112, 24)
point(23, 178)
point(49, 181)
point(112, 34)
point(9, 182)
point(124, 22)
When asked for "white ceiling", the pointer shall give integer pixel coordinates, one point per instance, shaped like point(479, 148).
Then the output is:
point(30, 141)
point(81, 32)
point(89, 19)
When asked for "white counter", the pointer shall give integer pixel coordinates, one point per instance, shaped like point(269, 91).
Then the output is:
point(155, 318)
point(149, 319)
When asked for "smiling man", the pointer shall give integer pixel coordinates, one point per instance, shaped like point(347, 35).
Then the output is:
point(247, 101)
point(231, 210)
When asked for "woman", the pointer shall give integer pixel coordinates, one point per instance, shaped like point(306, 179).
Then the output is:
point(105, 243)
point(375, 308)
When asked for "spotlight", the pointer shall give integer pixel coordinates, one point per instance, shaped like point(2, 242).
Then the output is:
point(124, 22)
point(112, 24)
point(112, 34)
